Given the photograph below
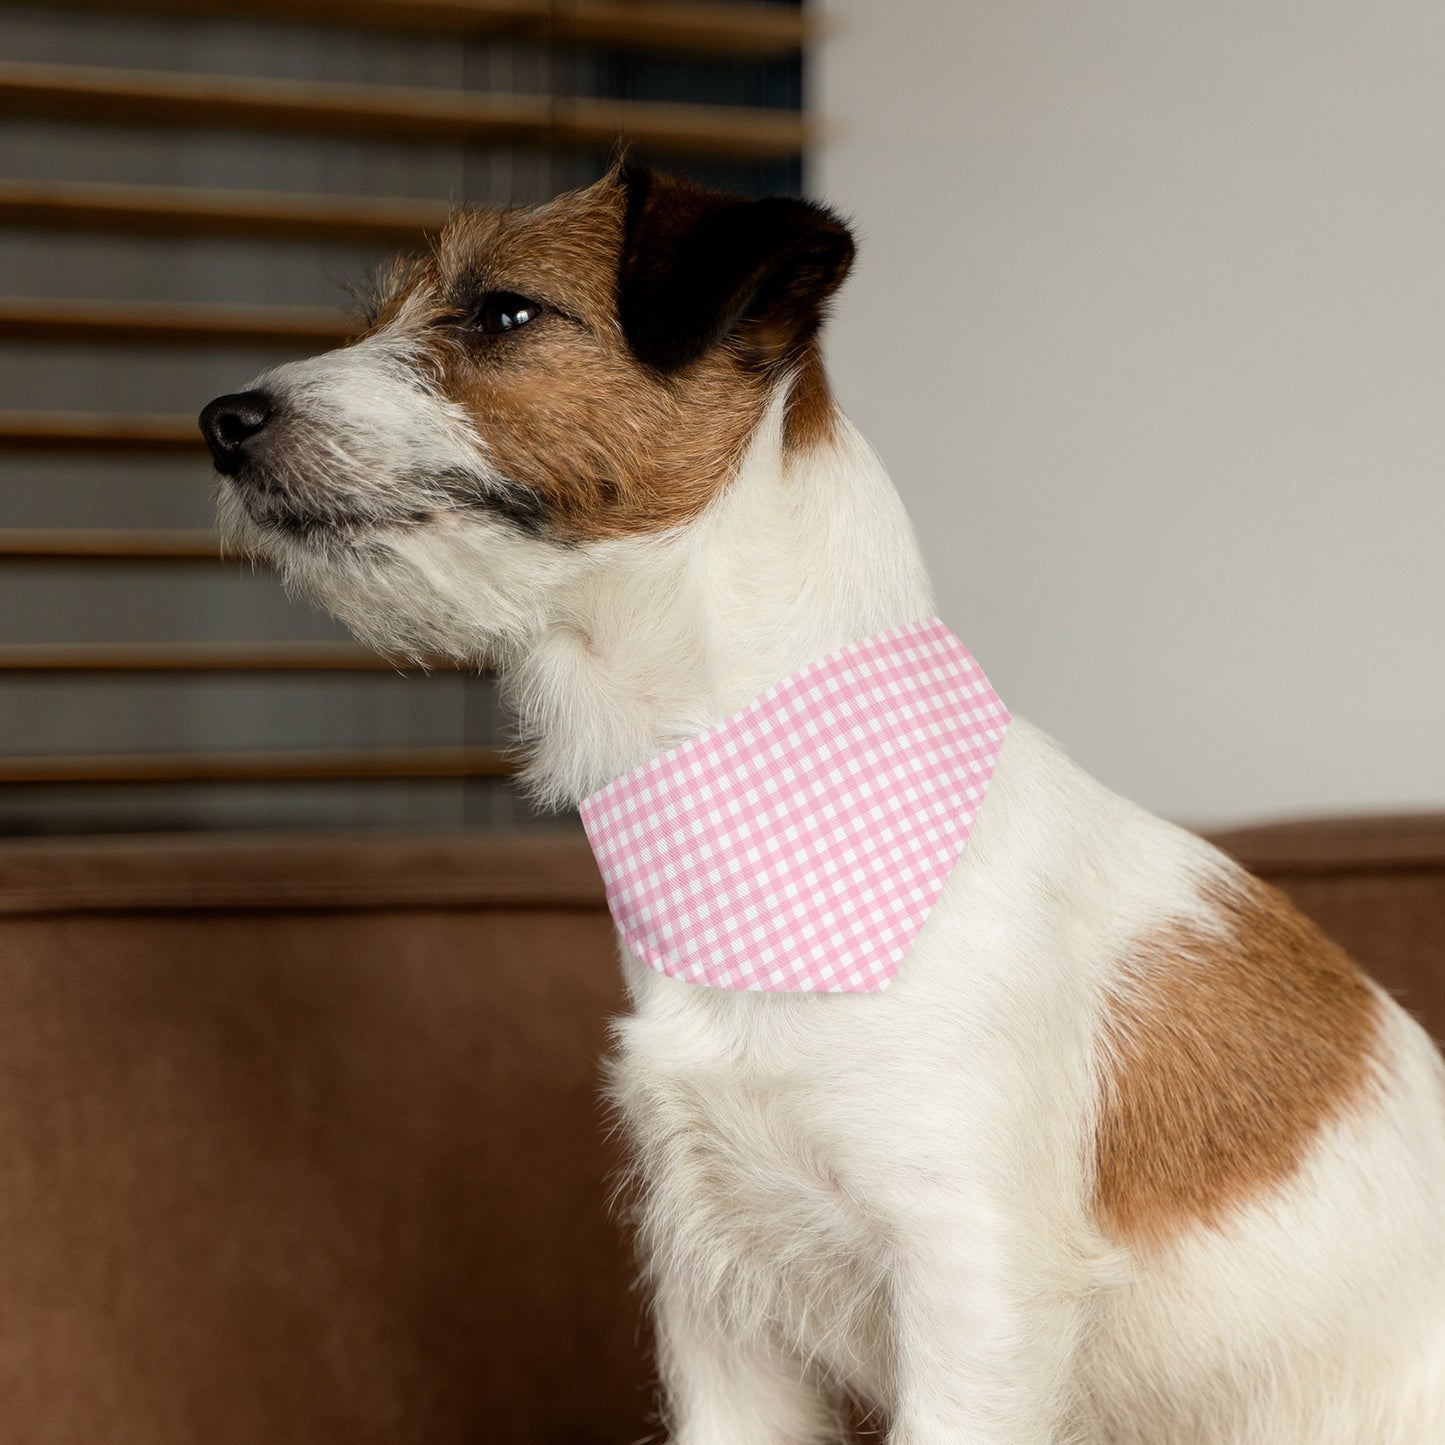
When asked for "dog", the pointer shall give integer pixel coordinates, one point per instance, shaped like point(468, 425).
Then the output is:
point(1128, 1153)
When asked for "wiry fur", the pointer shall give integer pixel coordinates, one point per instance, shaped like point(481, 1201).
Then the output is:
point(896, 1196)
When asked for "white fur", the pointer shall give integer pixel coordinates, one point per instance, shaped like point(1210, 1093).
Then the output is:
point(890, 1194)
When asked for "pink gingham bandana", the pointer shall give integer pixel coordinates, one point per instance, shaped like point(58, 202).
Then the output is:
point(799, 845)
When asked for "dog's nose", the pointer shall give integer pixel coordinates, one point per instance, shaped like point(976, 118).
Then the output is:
point(229, 422)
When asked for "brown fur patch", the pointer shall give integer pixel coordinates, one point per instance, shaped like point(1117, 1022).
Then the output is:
point(1226, 1053)
point(388, 291)
point(812, 415)
point(606, 446)
point(594, 441)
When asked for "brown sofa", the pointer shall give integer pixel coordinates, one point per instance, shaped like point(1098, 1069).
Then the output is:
point(300, 1140)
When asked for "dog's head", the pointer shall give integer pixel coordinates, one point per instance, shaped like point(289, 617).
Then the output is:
point(545, 384)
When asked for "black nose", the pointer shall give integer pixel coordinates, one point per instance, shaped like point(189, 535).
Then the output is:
point(229, 422)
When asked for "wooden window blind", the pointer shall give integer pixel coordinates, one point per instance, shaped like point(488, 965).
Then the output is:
point(186, 186)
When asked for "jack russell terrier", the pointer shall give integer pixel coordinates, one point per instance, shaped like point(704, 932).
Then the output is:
point(1114, 1148)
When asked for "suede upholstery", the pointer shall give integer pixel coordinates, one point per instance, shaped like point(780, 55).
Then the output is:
point(300, 1139)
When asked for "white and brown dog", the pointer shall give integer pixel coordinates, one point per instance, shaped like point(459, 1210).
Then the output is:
point(1128, 1153)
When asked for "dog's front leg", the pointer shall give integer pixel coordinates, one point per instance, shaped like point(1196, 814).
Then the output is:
point(724, 1387)
point(985, 1349)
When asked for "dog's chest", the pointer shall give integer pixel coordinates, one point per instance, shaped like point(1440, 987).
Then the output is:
point(743, 1182)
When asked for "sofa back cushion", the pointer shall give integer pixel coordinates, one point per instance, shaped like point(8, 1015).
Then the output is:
point(301, 1141)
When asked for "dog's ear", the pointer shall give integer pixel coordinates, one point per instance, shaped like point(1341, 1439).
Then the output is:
point(698, 266)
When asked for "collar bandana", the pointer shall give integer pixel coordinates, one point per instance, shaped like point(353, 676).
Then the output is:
point(799, 845)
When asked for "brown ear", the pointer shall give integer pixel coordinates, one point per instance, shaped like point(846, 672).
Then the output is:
point(699, 266)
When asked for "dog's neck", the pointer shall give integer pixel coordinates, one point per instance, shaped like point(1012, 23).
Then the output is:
point(803, 553)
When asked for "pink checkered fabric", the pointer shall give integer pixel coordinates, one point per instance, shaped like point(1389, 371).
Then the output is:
point(799, 845)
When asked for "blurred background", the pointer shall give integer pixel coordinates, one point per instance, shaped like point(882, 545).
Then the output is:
point(1149, 324)
point(187, 191)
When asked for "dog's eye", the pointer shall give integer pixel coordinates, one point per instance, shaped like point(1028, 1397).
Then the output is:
point(504, 311)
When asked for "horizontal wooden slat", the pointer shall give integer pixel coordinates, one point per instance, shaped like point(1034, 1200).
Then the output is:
point(210, 102)
point(171, 210)
point(721, 29)
point(258, 767)
point(169, 324)
point(190, 657)
point(72, 544)
point(84, 431)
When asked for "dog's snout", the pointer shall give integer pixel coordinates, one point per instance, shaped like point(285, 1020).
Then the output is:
point(229, 422)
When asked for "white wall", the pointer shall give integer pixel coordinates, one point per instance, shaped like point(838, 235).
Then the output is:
point(1149, 324)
